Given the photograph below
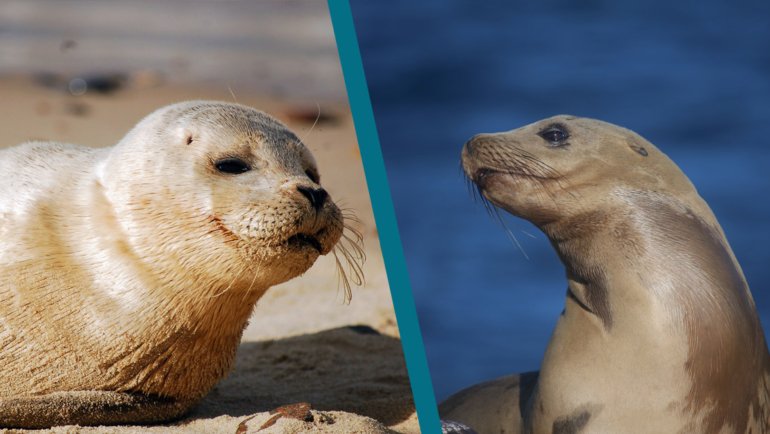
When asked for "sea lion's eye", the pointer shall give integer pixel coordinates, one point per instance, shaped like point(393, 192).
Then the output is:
point(232, 166)
point(313, 175)
point(556, 135)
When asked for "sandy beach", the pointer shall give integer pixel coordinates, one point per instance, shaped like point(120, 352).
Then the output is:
point(303, 343)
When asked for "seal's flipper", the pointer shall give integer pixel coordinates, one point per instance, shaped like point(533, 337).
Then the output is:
point(88, 408)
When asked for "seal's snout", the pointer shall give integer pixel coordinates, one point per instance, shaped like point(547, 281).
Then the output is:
point(316, 196)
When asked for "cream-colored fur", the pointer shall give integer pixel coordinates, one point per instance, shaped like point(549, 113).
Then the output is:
point(659, 333)
point(127, 274)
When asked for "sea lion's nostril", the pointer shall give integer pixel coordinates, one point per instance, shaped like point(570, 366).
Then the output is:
point(472, 144)
point(316, 196)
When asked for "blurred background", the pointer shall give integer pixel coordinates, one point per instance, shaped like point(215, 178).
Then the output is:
point(86, 71)
point(691, 77)
point(281, 48)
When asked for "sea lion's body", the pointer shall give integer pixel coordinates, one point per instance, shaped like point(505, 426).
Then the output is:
point(659, 332)
point(127, 274)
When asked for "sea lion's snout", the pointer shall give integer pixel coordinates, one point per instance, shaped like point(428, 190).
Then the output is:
point(474, 146)
point(468, 157)
point(476, 161)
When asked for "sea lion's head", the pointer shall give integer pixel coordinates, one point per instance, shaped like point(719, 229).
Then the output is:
point(221, 188)
point(560, 166)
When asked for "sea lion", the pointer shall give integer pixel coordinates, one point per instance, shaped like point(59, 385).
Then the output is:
point(127, 274)
point(659, 333)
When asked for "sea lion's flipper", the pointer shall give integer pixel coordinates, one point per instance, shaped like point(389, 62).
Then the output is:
point(87, 408)
point(494, 406)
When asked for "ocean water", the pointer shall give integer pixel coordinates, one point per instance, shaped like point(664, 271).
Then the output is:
point(691, 77)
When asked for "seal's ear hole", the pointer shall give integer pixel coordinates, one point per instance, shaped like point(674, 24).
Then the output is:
point(232, 166)
point(639, 149)
point(189, 139)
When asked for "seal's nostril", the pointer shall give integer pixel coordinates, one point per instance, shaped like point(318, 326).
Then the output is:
point(316, 196)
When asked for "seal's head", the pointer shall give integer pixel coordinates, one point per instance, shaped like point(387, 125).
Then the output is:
point(549, 169)
point(227, 182)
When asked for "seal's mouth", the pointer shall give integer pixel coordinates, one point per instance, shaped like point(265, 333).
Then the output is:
point(305, 240)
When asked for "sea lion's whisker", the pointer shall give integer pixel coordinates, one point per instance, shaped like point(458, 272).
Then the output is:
point(508, 232)
point(548, 171)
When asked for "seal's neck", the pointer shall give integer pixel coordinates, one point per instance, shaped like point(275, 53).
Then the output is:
point(655, 287)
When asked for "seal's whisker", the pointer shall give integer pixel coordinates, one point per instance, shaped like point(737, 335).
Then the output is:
point(342, 278)
point(232, 93)
point(251, 285)
point(350, 216)
point(350, 249)
point(315, 122)
point(356, 243)
point(354, 250)
point(355, 264)
point(230, 285)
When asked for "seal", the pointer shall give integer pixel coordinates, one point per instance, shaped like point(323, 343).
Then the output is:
point(659, 332)
point(128, 273)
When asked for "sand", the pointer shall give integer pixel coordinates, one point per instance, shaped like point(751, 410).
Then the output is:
point(303, 344)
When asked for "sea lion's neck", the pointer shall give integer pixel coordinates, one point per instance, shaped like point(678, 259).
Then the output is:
point(652, 286)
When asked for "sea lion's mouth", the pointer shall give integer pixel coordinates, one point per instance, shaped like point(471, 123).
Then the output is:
point(482, 176)
point(302, 240)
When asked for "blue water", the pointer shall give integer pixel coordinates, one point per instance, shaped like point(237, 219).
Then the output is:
point(692, 77)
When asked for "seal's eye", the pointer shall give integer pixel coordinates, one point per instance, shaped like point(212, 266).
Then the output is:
point(313, 175)
point(233, 166)
point(556, 135)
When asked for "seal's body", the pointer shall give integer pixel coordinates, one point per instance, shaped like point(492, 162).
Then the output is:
point(659, 332)
point(127, 274)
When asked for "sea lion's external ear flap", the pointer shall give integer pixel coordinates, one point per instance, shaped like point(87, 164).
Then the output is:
point(639, 149)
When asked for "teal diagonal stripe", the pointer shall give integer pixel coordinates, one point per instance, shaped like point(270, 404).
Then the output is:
point(366, 130)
